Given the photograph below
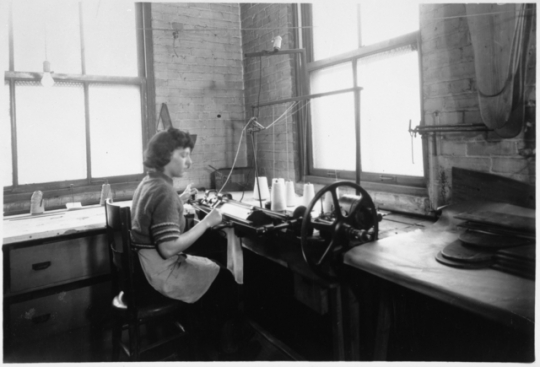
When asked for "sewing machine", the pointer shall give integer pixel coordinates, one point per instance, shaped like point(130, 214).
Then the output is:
point(324, 237)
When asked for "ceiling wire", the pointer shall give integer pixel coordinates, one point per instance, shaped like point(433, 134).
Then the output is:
point(479, 15)
point(208, 29)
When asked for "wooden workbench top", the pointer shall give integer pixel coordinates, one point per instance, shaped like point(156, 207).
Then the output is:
point(55, 223)
point(27, 227)
point(409, 260)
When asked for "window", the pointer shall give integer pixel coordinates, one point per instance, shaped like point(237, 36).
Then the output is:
point(376, 48)
point(90, 125)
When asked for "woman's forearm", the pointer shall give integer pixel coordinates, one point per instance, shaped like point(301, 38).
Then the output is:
point(184, 241)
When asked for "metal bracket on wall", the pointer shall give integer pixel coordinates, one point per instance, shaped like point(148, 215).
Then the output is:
point(448, 129)
point(434, 129)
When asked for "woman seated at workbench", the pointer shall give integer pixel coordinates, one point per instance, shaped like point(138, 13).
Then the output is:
point(158, 225)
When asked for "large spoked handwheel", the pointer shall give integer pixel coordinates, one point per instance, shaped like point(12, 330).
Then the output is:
point(339, 231)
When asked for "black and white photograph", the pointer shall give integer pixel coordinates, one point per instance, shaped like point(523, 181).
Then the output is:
point(252, 182)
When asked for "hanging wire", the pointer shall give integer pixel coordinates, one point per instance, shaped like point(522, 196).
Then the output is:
point(256, 168)
point(287, 144)
point(304, 135)
point(273, 127)
point(283, 114)
point(292, 112)
point(254, 140)
point(212, 29)
point(482, 14)
point(235, 157)
point(260, 85)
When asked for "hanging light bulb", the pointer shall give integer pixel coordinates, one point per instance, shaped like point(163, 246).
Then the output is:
point(47, 80)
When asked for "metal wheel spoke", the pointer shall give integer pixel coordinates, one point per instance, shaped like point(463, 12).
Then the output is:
point(333, 227)
point(323, 256)
point(322, 224)
point(337, 208)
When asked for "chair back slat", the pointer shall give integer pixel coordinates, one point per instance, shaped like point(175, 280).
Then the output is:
point(123, 259)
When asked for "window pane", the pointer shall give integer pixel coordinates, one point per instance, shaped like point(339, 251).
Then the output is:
point(50, 132)
point(379, 23)
point(333, 132)
point(335, 28)
point(4, 35)
point(5, 141)
point(47, 29)
point(115, 130)
point(333, 78)
point(390, 98)
point(110, 38)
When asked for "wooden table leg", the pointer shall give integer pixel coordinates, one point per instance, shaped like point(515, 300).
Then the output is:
point(351, 320)
point(383, 326)
point(336, 315)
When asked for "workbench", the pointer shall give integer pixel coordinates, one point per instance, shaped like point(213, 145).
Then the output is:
point(57, 272)
point(408, 261)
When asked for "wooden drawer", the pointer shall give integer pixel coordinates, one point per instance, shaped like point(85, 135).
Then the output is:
point(58, 262)
point(46, 316)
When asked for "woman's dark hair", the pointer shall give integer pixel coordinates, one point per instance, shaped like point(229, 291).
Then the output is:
point(163, 144)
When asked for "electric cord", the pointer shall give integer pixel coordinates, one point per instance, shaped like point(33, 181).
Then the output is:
point(260, 85)
point(256, 168)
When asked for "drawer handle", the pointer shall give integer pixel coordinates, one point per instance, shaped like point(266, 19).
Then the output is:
point(41, 266)
point(41, 319)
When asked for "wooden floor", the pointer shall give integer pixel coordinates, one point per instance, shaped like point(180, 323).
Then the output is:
point(88, 345)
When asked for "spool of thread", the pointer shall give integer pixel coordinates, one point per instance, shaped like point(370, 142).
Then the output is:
point(36, 203)
point(290, 194)
point(262, 183)
point(106, 193)
point(309, 194)
point(278, 197)
point(328, 202)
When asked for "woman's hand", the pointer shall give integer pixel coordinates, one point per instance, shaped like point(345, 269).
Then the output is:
point(190, 190)
point(213, 218)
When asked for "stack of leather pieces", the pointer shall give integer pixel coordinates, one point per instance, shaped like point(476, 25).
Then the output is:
point(462, 255)
point(519, 260)
point(483, 245)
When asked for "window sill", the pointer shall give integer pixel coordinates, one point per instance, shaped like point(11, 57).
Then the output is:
point(374, 186)
point(405, 199)
point(19, 202)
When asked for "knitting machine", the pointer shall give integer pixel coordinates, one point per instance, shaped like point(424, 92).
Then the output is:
point(324, 235)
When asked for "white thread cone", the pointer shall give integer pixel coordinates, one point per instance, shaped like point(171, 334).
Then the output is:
point(309, 194)
point(328, 202)
point(278, 194)
point(291, 196)
point(263, 183)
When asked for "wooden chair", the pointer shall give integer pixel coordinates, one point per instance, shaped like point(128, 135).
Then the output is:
point(135, 302)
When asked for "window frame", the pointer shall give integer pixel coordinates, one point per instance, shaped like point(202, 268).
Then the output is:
point(415, 185)
point(145, 82)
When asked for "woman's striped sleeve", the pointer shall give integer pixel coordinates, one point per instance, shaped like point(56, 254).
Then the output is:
point(163, 232)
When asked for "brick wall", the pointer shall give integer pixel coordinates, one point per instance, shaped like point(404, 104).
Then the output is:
point(199, 75)
point(450, 97)
point(271, 78)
